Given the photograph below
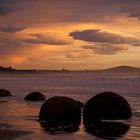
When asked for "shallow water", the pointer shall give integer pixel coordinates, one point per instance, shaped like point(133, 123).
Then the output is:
point(18, 118)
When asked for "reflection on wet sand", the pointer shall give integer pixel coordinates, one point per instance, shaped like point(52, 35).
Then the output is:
point(3, 102)
point(6, 134)
point(107, 130)
point(59, 127)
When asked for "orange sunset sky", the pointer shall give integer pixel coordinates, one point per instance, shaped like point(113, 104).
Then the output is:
point(71, 34)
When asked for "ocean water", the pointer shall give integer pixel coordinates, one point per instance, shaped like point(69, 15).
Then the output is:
point(19, 118)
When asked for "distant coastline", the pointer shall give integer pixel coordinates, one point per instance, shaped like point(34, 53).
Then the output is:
point(108, 70)
point(6, 69)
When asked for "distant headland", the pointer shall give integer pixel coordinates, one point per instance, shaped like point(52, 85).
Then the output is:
point(6, 69)
point(108, 70)
point(10, 69)
point(120, 69)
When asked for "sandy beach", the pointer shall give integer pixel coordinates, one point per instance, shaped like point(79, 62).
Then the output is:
point(19, 118)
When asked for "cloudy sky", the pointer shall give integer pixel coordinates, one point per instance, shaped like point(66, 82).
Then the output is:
point(71, 34)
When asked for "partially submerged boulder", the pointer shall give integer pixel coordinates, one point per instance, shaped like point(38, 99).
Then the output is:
point(4, 93)
point(57, 128)
point(108, 130)
point(106, 106)
point(35, 96)
point(81, 104)
point(61, 110)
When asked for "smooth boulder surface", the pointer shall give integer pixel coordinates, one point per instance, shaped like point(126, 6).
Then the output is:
point(81, 104)
point(35, 96)
point(108, 130)
point(4, 93)
point(106, 106)
point(61, 110)
point(57, 127)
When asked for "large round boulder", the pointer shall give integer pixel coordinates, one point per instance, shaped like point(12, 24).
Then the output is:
point(4, 93)
point(108, 129)
point(81, 104)
point(61, 110)
point(106, 106)
point(35, 96)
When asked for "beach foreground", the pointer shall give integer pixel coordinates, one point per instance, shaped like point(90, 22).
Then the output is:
point(19, 118)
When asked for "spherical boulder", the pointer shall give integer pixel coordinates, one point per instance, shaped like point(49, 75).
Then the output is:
point(81, 104)
point(58, 128)
point(59, 109)
point(106, 106)
point(35, 96)
point(108, 129)
point(4, 93)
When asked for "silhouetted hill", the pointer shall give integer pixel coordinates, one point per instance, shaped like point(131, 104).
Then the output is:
point(122, 69)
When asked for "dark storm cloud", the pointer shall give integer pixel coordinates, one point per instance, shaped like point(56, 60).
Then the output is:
point(105, 49)
point(48, 38)
point(11, 29)
point(9, 6)
point(70, 10)
point(94, 10)
point(103, 37)
point(6, 10)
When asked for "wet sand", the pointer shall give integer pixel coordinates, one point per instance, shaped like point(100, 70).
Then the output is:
point(18, 118)
point(12, 134)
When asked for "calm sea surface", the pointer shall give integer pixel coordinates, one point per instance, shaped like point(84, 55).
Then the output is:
point(18, 118)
